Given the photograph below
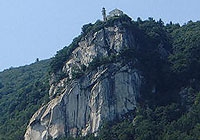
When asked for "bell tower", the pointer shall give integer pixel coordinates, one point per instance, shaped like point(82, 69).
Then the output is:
point(104, 14)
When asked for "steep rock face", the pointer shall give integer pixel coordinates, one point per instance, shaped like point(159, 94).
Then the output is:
point(103, 43)
point(102, 94)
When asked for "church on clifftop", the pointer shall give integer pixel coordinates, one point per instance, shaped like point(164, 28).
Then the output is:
point(113, 13)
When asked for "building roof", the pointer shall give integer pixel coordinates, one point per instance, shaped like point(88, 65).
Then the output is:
point(116, 12)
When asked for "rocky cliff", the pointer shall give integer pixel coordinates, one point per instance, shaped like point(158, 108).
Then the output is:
point(80, 104)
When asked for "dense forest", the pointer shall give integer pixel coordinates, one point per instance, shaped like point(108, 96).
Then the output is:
point(169, 59)
point(22, 91)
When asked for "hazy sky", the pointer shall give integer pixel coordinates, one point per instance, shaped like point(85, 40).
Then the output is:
point(31, 29)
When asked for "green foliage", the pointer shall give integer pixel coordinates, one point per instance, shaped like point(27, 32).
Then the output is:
point(124, 19)
point(87, 28)
point(63, 55)
point(186, 127)
point(92, 28)
point(122, 130)
point(159, 123)
point(23, 91)
point(185, 59)
point(77, 72)
point(151, 55)
point(97, 62)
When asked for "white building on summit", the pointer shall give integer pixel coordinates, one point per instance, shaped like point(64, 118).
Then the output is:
point(113, 13)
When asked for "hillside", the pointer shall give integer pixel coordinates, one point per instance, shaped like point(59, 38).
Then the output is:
point(22, 91)
point(119, 79)
point(124, 79)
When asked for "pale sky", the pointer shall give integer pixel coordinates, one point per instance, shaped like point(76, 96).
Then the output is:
point(31, 29)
